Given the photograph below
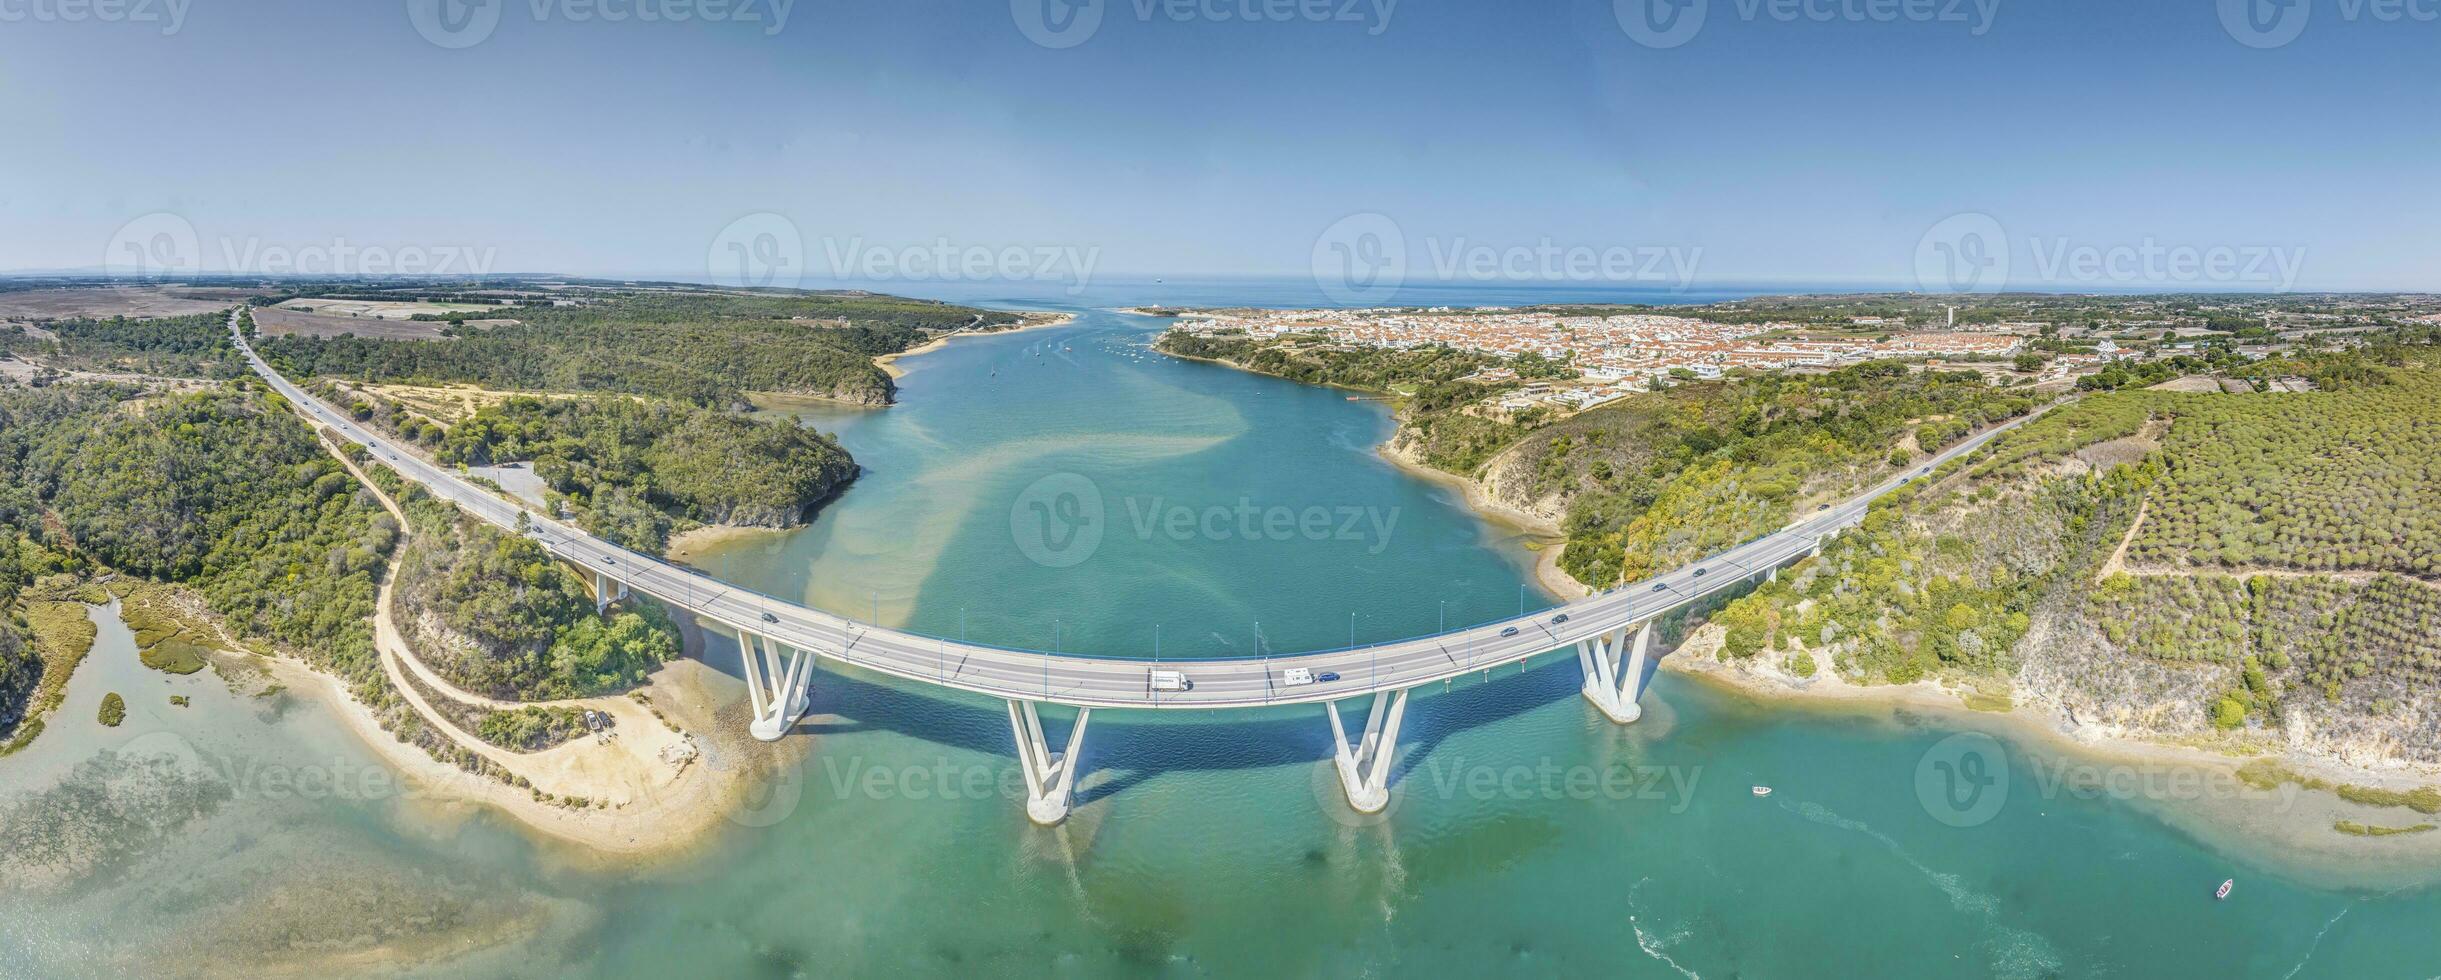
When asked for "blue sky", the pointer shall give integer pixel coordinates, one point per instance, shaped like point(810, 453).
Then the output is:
point(1781, 142)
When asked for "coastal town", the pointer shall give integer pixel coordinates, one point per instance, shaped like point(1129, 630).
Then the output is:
point(1614, 356)
point(1567, 359)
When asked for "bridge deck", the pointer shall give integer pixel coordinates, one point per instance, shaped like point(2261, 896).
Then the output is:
point(1119, 682)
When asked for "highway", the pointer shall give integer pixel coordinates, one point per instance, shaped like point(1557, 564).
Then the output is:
point(1119, 682)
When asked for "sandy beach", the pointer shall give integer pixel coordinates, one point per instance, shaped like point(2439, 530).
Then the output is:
point(1033, 321)
point(1548, 540)
point(2193, 788)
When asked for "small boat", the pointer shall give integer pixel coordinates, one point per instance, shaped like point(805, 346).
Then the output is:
point(2225, 887)
point(1762, 791)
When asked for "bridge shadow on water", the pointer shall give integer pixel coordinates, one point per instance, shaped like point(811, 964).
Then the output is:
point(1126, 748)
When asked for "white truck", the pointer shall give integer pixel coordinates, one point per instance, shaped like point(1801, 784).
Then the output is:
point(1296, 677)
point(1170, 680)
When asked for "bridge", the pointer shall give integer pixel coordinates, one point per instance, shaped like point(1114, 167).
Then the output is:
point(780, 641)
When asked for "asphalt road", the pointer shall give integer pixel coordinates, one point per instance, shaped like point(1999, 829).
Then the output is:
point(1121, 682)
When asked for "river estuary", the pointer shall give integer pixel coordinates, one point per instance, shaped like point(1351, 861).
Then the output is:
point(1529, 835)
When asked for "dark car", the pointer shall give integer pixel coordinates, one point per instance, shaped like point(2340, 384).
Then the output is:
point(1658, 586)
point(1699, 573)
point(1326, 677)
point(1561, 618)
point(1823, 507)
point(1511, 631)
point(769, 618)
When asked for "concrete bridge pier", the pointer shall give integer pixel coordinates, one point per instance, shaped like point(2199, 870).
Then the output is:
point(603, 595)
point(1614, 670)
point(1050, 776)
point(779, 684)
point(1364, 767)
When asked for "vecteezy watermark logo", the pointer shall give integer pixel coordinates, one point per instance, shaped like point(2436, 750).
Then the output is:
point(455, 24)
point(2275, 23)
point(944, 261)
point(170, 14)
point(1057, 24)
point(1660, 23)
point(1361, 260)
point(1057, 521)
point(1963, 780)
point(163, 244)
point(154, 245)
point(466, 23)
point(1459, 259)
point(1970, 253)
point(1963, 253)
point(1670, 23)
point(2265, 23)
point(1544, 780)
point(1245, 520)
point(760, 250)
point(1068, 23)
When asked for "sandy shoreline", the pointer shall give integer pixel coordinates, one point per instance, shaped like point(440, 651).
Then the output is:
point(2304, 829)
point(661, 783)
point(2206, 799)
point(1033, 321)
point(688, 545)
point(1548, 539)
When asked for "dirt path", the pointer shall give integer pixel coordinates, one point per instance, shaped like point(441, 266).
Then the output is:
point(650, 793)
point(640, 754)
point(2118, 556)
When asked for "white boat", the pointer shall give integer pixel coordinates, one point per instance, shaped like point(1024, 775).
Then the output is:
point(2225, 887)
point(1762, 791)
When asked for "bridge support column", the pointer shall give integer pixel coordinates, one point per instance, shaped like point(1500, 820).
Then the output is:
point(1364, 767)
point(1614, 670)
point(1050, 776)
point(778, 684)
point(602, 594)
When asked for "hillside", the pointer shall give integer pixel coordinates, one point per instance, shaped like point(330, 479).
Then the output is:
point(704, 347)
point(2277, 587)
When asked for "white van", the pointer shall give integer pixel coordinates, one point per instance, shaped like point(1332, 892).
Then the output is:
point(1170, 680)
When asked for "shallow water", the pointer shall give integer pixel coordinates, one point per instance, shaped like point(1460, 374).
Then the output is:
point(1528, 834)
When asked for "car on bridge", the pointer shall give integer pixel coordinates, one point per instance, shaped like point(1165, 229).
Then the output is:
point(1327, 676)
point(1511, 631)
point(1561, 618)
point(769, 618)
point(1699, 573)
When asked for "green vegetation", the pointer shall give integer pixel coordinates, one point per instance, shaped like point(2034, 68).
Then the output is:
point(531, 728)
point(180, 346)
point(114, 710)
point(2340, 480)
point(624, 464)
point(703, 347)
point(1947, 578)
point(2368, 830)
point(1685, 473)
point(2422, 799)
point(219, 491)
point(179, 701)
point(1439, 414)
point(494, 614)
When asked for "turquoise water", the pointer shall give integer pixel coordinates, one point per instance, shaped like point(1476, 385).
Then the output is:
point(1528, 835)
